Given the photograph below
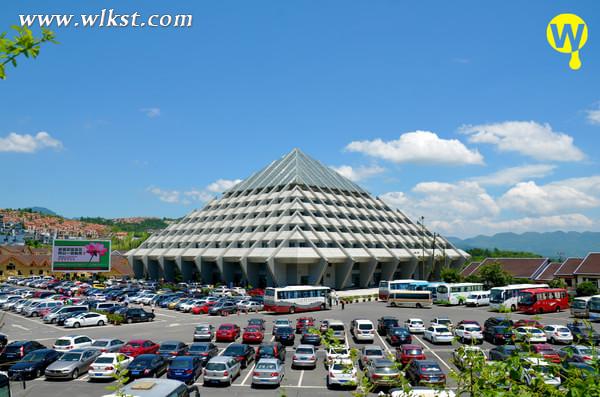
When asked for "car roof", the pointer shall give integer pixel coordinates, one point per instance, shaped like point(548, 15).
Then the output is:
point(305, 346)
point(171, 341)
point(412, 347)
point(220, 359)
point(382, 361)
point(268, 361)
point(426, 362)
point(72, 336)
point(139, 340)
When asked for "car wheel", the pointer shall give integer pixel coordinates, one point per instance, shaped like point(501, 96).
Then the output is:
point(322, 306)
point(553, 341)
point(558, 309)
point(513, 308)
point(292, 310)
point(129, 320)
point(100, 323)
point(419, 306)
point(76, 325)
point(75, 374)
point(53, 321)
point(38, 373)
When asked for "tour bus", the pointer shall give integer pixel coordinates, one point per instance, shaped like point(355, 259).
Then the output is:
point(406, 298)
point(408, 284)
point(580, 307)
point(508, 296)
point(594, 308)
point(543, 300)
point(432, 287)
point(297, 298)
point(456, 293)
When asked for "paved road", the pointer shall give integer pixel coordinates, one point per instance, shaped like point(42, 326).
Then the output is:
point(170, 325)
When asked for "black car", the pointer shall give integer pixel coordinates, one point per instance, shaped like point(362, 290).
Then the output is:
point(310, 338)
point(3, 341)
point(498, 334)
point(427, 372)
point(583, 333)
point(33, 364)
point(270, 350)
point(285, 335)
point(497, 321)
point(223, 309)
point(15, 351)
point(171, 349)
point(503, 352)
point(147, 366)
point(241, 352)
point(568, 367)
point(398, 336)
point(385, 323)
point(204, 350)
point(135, 315)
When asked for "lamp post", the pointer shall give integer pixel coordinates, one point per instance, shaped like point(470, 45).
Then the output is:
point(422, 223)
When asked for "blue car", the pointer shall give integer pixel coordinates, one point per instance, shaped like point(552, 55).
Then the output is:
point(185, 369)
point(285, 335)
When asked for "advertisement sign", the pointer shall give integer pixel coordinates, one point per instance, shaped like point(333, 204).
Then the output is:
point(80, 256)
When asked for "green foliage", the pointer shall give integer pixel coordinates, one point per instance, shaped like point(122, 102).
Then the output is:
point(24, 43)
point(451, 275)
point(115, 318)
point(587, 288)
point(139, 227)
point(557, 283)
point(121, 379)
point(492, 275)
point(479, 254)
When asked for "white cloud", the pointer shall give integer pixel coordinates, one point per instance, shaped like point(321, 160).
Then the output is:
point(29, 143)
point(419, 147)
point(513, 175)
point(168, 196)
point(221, 185)
point(586, 184)
point(359, 173)
point(395, 199)
point(199, 195)
point(593, 116)
point(528, 138)
point(151, 112)
point(530, 198)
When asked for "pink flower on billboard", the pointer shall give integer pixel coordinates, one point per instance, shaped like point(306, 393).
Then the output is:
point(95, 249)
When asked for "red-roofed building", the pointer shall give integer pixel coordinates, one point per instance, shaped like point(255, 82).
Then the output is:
point(566, 270)
point(529, 268)
point(470, 269)
point(589, 269)
point(547, 274)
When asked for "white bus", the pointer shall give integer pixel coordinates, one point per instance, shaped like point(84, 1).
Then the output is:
point(418, 299)
point(508, 296)
point(594, 308)
point(456, 293)
point(297, 298)
point(385, 287)
point(580, 307)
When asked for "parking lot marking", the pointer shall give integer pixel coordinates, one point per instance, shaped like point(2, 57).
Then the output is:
point(248, 374)
point(166, 315)
point(20, 327)
point(174, 325)
point(384, 344)
point(432, 352)
point(301, 377)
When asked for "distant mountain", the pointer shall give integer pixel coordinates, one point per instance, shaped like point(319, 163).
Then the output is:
point(549, 244)
point(43, 210)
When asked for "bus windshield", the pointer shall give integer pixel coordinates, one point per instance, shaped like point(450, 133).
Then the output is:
point(579, 304)
point(595, 304)
point(526, 298)
point(496, 296)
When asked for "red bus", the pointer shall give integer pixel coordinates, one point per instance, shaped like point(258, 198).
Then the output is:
point(543, 300)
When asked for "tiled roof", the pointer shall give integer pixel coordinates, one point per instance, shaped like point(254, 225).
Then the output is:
point(519, 267)
point(590, 265)
point(568, 267)
point(470, 269)
point(548, 273)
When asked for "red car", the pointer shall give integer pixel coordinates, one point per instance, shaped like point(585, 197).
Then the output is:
point(256, 292)
point(228, 333)
point(407, 353)
point(527, 323)
point(203, 308)
point(253, 334)
point(546, 351)
point(135, 347)
point(304, 322)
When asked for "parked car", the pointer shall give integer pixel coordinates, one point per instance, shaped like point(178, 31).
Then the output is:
point(223, 309)
point(362, 330)
point(468, 333)
point(385, 323)
point(398, 336)
point(578, 354)
point(465, 356)
point(185, 369)
point(498, 334)
point(257, 322)
point(558, 334)
point(55, 313)
point(425, 372)
point(221, 369)
point(586, 370)
point(341, 373)
point(204, 332)
point(268, 371)
point(407, 353)
point(136, 347)
point(546, 351)
point(438, 334)
point(304, 356)
point(108, 345)
point(106, 365)
point(70, 342)
point(310, 336)
point(250, 306)
point(227, 333)
point(285, 335)
point(270, 350)
point(171, 349)
point(498, 321)
point(415, 325)
point(503, 352)
point(304, 322)
point(583, 333)
point(71, 364)
point(534, 368)
point(336, 353)
point(253, 334)
point(147, 366)
point(243, 353)
point(382, 372)
point(280, 322)
point(525, 322)
point(33, 364)
point(15, 351)
point(476, 299)
point(86, 320)
point(529, 335)
point(135, 315)
point(203, 350)
point(368, 353)
point(442, 322)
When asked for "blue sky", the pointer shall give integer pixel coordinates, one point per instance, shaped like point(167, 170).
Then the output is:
point(459, 111)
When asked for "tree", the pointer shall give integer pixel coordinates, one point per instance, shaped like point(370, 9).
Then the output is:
point(557, 283)
point(451, 275)
point(587, 288)
point(493, 275)
point(24, 43)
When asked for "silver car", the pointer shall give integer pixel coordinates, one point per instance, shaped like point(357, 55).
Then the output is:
point(204, 332)
point(369, 353)
point(221, 369)
point(304, 356)
point(268, 371)
point(72, 364)
point(108, 345)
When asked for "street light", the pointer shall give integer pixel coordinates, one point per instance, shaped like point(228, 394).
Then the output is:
point(422, 223)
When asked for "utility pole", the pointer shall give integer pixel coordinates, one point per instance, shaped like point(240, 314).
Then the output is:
point(422, 223)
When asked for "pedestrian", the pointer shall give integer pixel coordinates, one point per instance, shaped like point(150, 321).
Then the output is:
point(343, 304)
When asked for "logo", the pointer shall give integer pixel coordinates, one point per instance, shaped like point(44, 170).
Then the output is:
point(567, 33)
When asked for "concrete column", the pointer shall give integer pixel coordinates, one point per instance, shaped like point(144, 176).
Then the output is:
point(317, 272)
point(137, 266)
point(388, 269)
point(169, 268)
point(250, 271)
point(205, 270)
point(275, 270)
point(343, 271)
point(155, 272)
point(366, 272)
point(187, 270)
point(409, 268)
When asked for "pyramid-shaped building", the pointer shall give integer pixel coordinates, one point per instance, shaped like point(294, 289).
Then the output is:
point(295, 222)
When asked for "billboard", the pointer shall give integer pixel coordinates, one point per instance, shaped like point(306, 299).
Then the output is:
point(80, 256)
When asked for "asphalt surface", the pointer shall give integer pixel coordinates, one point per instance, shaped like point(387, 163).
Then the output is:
point(172, 325)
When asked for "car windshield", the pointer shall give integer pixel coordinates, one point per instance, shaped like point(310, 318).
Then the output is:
point(233, 351)
point(100, 343)
point(444, 321)
point(267, 366)
point(385, 368)
point(141, 362)
point(413, 352)
point(441, 329)
point(70, 357)
point(169, 346)
point(304, 350)
point(63, 342)
point(180, 364)
point(339, 351)
point(34, 356)
point(430, 368)
point(226, 327)
point(215, 366)
point(198, 348)
point(416, 322)
point(562, 329)
point(365, 326)
point(134, 344)
point(578, 304)
point(202, 329)
point(342, 367)
point(285, 330)
point(585, 351)
point(104, 360)
point(373, 352)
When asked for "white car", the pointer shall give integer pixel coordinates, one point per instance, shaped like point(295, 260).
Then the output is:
point(530, 335)
point(558, 334)
point(469, 333)
point(443, 322)
point(251, 306)
point(363, 330)
point(534, 367)
point(336, 353)
point(342, 372)
point(465, 354)
point(71, 342)
point(415, 325)
point(146, 299)
point(281, 322)
point(422, 392)
point(438, 334)
point(105, 366)
point(86, 320)
point(186, 307)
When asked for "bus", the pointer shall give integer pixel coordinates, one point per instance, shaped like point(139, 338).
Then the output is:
point(508, 296)
point(456, 293)
point(297, 298)
point(432, 287)
point(408, 284)
point(594, 308)
point(406, 298)
point(543, 300)
point(580, 307)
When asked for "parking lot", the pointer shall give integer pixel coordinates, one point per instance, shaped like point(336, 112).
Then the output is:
point(173, 325)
